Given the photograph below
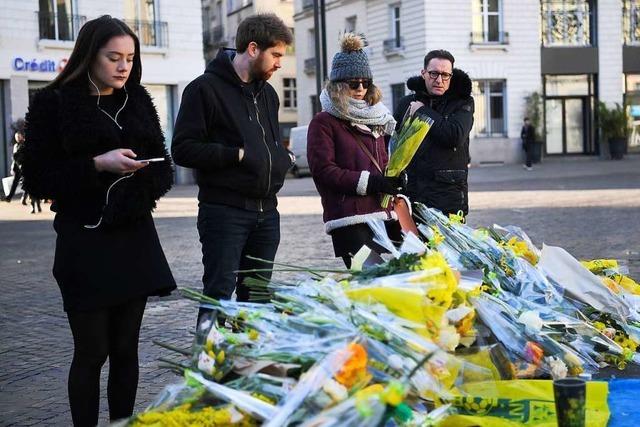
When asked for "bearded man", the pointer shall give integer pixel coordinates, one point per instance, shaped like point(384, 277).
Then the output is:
point(227, 130)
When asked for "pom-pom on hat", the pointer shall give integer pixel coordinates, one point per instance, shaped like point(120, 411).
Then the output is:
point(351, 62)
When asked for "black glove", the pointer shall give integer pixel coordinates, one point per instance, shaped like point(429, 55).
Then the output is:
point(384, 184)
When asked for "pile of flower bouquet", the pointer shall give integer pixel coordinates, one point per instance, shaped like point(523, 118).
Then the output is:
point(448, 330)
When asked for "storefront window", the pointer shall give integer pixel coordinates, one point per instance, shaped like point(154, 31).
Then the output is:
point(569, 114)
point(632, 100)
point(567, 85)
point(163, 100)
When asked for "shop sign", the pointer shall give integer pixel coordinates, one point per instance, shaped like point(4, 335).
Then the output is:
point(36, 65)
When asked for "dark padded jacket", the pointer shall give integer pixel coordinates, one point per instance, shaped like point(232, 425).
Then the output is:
point(220, 114)
point(437, 176)
point(341, 170)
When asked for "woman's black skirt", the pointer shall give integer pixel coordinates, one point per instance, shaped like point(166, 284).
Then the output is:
point(107, 266)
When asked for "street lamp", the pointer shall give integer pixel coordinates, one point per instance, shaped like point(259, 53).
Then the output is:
point(320, 46)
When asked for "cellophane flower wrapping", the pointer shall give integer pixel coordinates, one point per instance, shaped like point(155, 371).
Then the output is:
point(433, 334)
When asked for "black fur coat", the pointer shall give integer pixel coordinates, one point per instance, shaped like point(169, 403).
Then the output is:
point(65, 130)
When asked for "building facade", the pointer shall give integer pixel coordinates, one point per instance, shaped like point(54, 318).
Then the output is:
point(220, 22)
point(37, 37)
point(573, 53)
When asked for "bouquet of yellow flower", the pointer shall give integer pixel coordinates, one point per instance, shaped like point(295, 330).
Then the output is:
point(405, 143)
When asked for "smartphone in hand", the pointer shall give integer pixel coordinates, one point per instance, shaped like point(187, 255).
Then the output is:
point(155, 159)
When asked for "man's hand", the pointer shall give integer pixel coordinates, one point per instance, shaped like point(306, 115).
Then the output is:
point(120, 161)
point(415, 106)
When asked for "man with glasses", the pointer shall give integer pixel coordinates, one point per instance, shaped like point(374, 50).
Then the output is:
point(437, 175)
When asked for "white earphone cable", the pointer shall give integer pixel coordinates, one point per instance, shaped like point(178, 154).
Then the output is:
point(114, 119)
point(106, 203)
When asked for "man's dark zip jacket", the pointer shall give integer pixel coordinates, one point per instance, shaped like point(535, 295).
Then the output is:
point(220, 114)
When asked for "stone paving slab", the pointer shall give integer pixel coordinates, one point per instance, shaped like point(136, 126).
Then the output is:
point(589, 207)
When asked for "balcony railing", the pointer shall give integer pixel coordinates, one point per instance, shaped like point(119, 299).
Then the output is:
point(59, 26)
point(491, 37)
point(150, 33)
point(310, 65)
point(393, 46)
point(307, 4)
point(566, 27)
point(631, 20)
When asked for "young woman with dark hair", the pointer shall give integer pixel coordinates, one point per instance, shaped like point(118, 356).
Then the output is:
point(87, 136)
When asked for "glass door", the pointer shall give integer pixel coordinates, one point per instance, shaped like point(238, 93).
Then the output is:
point(565, 125)
point(574, 125)
point(553, 120)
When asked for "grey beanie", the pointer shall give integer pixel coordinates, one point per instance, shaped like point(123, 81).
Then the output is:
point(351, 62)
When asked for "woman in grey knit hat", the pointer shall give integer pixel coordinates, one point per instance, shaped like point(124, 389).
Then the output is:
point(347, 153)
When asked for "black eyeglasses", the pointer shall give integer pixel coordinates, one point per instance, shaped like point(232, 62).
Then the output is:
point(355, 84)
point(434, 75)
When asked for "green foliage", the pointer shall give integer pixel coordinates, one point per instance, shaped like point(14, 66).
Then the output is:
point(614, 122)
point(404, 264)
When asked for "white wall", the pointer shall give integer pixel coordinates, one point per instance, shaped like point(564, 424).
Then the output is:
point(284, 10)
point(174, 65)
point(430, 24)
point(181, 60)
point(610, 80)
point(394, 69)
point(336, 14)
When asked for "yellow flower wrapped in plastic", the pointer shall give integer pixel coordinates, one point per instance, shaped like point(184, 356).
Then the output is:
point(184, 416)
point(405, 143)
point(521, 249)
point(609, 268)
point(436, 271)
point(598, 266)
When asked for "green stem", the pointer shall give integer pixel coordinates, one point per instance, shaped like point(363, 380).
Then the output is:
point(173, 364)
point(172, 348)
point(197, 296)
point(419, 365)
point(296, 267)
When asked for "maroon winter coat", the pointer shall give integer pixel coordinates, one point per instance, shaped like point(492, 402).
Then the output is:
point(340, 170)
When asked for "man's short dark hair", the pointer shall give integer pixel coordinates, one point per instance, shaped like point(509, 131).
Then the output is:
point(439, 53)
point(265, 29)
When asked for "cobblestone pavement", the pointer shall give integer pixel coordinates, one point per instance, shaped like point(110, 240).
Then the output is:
point(588, 206)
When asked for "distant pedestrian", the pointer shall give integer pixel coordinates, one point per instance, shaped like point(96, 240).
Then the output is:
point(347, 154)
point(437, 175)
point(528, 137)
point(84, 133)
point(227, 130)
point(18, 150)
point(16, 164)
